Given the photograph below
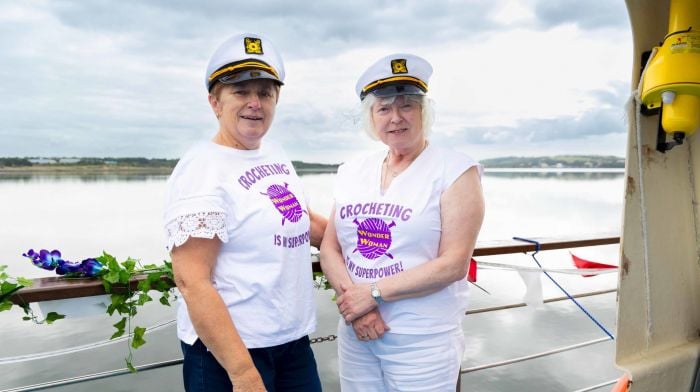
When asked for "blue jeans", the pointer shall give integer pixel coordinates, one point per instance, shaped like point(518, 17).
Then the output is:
point(287, 367)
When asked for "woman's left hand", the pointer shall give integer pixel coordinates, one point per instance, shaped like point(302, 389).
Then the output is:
point(355, 301)
point(371, 326)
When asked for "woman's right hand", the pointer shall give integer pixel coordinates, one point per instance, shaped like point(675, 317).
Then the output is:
point(249, 381)
point(370, 326)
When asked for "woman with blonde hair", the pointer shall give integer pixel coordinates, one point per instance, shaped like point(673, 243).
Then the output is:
point(399, 240)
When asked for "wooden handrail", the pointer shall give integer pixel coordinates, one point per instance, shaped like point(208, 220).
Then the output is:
point(513, 246)
point(53, 288)
point(56, 287)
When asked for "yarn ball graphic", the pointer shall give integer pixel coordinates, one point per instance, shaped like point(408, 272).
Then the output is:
point(285, 202)
point(373, 238)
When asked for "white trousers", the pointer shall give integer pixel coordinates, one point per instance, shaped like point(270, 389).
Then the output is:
point(399, 362)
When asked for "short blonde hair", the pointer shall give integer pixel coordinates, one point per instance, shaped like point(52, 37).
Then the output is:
point(218, 87)
point(427, 112)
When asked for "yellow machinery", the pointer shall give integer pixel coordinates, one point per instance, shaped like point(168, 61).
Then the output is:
point(671, 80)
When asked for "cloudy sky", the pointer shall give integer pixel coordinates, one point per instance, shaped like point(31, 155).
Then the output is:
point(126, 78)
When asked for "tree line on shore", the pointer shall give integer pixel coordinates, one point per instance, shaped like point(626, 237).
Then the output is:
point(133, 162)
point(29, 162)
point(558, 161)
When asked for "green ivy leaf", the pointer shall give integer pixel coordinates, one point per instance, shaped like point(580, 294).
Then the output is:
point(124, 277)
point(111, 277)
point(168, 268)
point(7, 287)
point(5, 305)
point(125, 308)
point(164, 300)
point(109, 261)
point(154, 277)
point(144, 285)
point(118, 301)
point(162, 286)
point(7, 290)
point(53, 316)
point(129, 264)
point(138, 339)
point(120, 326)
point(24, 281)
point(143, 298)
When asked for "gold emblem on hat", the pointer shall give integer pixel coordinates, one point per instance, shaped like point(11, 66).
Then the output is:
point(253, 45)
point(398, 66)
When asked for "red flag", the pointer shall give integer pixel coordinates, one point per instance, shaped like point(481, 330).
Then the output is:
point(584, 264)
point(471, 275)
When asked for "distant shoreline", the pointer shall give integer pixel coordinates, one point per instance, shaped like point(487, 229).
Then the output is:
point(75, 169)
point(138, 165)
point(555, 169)
point(114, 169)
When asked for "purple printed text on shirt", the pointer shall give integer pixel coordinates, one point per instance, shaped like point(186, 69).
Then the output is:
point(373, 273)
point(374, 209)
point(291, 242)
point(256, 173)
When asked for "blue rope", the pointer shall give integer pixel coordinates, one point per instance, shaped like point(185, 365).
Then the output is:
point(537, 249)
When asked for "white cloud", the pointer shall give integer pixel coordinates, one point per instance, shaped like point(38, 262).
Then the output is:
point(125, 79)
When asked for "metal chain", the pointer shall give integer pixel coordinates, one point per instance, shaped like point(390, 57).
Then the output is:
point(322, 339)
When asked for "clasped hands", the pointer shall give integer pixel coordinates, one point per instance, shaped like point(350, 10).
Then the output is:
point(357, 307)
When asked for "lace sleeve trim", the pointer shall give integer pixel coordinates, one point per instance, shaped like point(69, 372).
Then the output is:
point(198, 225)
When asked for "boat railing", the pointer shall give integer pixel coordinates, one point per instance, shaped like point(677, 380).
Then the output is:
point(55, 288)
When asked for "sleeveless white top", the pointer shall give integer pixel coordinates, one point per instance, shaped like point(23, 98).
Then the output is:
point(253, 202)
point(383, 234)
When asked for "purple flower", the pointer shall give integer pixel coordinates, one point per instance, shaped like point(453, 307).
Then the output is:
point(53, 261)
point(44, 259)
point(91, 267)
point(31, 254)
point(67, 267)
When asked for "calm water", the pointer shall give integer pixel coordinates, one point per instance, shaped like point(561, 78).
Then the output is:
point(84, 215)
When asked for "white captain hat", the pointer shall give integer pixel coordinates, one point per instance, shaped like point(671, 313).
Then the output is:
point(396, 74)
point(244, 57)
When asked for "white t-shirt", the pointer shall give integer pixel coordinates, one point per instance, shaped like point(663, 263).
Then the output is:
point(382, 235)
point(252, 201)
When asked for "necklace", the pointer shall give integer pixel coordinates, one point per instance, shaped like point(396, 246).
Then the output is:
point(394, 173)
point(388, 169)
